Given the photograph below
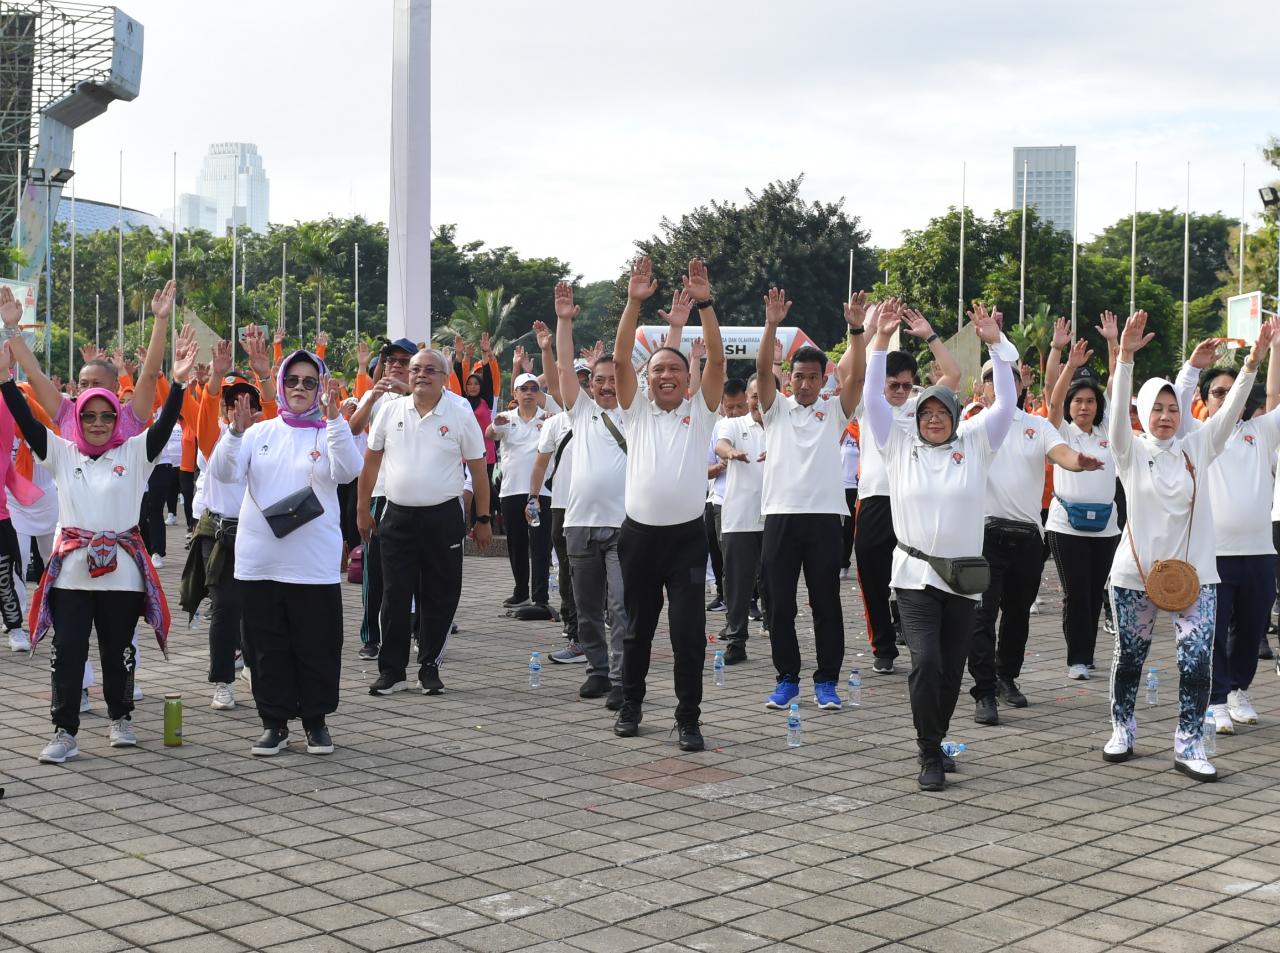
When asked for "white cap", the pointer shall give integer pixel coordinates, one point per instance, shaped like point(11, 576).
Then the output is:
point(524, 379)
point(580, 365)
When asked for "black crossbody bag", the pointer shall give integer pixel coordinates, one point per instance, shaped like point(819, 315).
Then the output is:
point(295, 510)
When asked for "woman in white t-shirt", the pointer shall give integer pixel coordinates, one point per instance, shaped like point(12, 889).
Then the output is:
point(1082, 529)
point(849, 459)
point(1165, 479)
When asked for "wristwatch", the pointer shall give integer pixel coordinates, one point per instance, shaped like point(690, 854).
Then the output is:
point(482, 518)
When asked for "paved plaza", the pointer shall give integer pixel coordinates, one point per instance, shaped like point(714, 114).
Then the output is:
point(498, 817)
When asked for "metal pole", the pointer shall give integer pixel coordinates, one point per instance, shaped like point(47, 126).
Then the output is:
point(120, 258)
point(1243, 178)
point(284, 256)
point(71, 336)
point(357, 282)
point(960, 295)
point(97, 320)
point(173, 267)
point(1022, 280)
point(299, 317)
point(1133, 247)
point(235, 234)
point(1075, 246)
point(1186, 264)
point(48, 276)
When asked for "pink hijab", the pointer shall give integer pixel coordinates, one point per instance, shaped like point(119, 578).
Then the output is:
point(77, 436)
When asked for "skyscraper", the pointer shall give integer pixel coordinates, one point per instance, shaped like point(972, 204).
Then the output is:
point(1051, 182)
point(232, 188)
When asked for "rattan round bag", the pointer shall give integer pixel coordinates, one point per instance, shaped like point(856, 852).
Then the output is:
point(1173, 585)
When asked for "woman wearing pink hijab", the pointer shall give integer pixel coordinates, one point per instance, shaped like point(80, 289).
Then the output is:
point(99, 576)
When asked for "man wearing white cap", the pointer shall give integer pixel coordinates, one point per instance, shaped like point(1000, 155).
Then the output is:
point(528, 546)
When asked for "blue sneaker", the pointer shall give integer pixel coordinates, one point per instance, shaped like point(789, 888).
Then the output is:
point(824, 693)
point(783, 695)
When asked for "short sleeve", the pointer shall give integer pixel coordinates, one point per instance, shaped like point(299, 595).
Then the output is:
point(1049, 435)
point(549, 436)
point(378, 432)
point(724, 431)
point(471, 440)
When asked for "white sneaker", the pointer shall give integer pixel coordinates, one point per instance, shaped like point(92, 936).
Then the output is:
point(157, 560)
point(1035, 606)
point(85, 704)
point(170, 520)
point(1241, 710)
point(239, 660)
point(1195, 765)
point(224, 698)
point(1223, 718)
point(122, 735)
point(19, 641)
point(1119, 747)
point(61, 748)
point(1078, 672)
point(137, 692)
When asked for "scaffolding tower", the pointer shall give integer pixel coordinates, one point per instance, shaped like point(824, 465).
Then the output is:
point(46, 51)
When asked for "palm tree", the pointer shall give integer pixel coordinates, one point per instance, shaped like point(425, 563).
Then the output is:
point(311, 249)
point(484, 314)
point(1034, 334)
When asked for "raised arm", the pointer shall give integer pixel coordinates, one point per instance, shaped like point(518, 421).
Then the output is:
point(1077, 357)
point(1131, 340)
point(47, 394)
point(697, 353)
point(1224, 421)
point(34, 432)
point(640, 288)
point(1108, 329)
point(566, 311)
point(997, 417)
point(697, 285)
point(776, 307)
point(144, 389)
point(1188, 379)
point(948, 367)
point(877, 415)
point(851, 372)
point(185, 348)
point(1053, 365)
point(550, 372)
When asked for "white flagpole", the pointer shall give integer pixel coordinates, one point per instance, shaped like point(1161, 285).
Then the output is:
point(1022, 280)
point(235, 235)
point(284, 257)
point(357, 284)
point(1186, 264)
point(1133, 246)
point(173, 265)
point(1075, 246)
point(1243, 187)
point(97, 320)
point(71, 336)
point(120, 259)
point(960, 296)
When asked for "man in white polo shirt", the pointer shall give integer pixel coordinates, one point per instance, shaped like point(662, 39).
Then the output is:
point(663, 546)
point(594, 511)
point(422, 440)
point(803, 498)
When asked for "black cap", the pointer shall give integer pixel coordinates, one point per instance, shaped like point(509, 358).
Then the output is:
point(1085, 373)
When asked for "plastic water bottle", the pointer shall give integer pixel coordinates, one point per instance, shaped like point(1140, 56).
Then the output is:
point(855, 688)
point(793, 726)
point(717, 669)
point(1209, 734)
point(535, 669)
point(953, 748)
point(1153, 686)
point(535, 513)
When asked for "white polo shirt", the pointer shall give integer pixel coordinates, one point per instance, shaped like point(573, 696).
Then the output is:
point(715, 488)
point(1015, 487)
point(872, 478)
point(422, 452)
point(1241, 486)
point(1094, 486)
point(556, 429)
point(667, 460)
point(598, 489)
point(849, 458)
point(381, 401)
point(802, 473)
point(518, 448)
point(744, 479)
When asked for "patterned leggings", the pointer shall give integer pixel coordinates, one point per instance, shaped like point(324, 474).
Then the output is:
point(1135, 623)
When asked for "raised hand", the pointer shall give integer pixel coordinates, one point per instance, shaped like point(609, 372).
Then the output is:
point(541, 334)
point(330, 397)
point(162, 300)
point(641, 285)
point(255, 347)
point(486, 348)
point(566, 310)
point(363, 354)
point(185, 350)
point(696, 282)
point(10, 308)
point(1205, 353)
point(1134, 337)
point(697, 349)
point(90, 352)
point(888, 317)
point(117, 360)
point(468, 357)
point(916, 324)
point(220, 363)
point(1026, 376)
point(1108, 327)
point(1061, 334)
point(1079, 355)
point(1260, 346)
point(681, 304)
point(776, 307)
point(592, 354)
point(458, 344)
point(322, 339)
point(141, 355)
point(130, 367)
point(278, 338)
point(6, 359)
point(242, 414)
point(855, 310)
point(986, 323)
point(202, 372)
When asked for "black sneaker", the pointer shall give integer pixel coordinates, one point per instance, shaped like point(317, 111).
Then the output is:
point(515, 602)
point(388, 683)
point(628, 723)
point(272, 742)
point(948, 763)
point(596, 686)
point(429, 680)
point(932, 774)
point(754, 613)
point(716, 605)
point(318, 740)
point(734, 653)
point(985, 711)
point(691, 737)
point(1264, 650)
point(1008, 691)
point(883, 666)
point(614, 701)
point(369, 651)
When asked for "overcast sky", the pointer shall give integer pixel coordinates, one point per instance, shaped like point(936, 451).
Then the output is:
point(571, 127)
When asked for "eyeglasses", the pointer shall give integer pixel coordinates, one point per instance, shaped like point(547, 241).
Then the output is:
point(1220, 392)
point(933, 415)
point(306, 383)
point(426, 370)
point(529, 388)
point(398, 361)
point(900, 387)
point(106, 417)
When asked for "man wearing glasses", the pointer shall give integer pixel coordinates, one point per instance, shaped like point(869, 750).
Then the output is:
point(393, 382)
point(421, 442)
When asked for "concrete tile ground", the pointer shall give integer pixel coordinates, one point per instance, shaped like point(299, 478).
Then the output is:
point(498, 817)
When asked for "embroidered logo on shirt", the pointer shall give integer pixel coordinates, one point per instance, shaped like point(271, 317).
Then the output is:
point(119, 470)
point(820, 415)
point(264, 450)
point(684, 420)
point(957, 458)
point(1030, 433)
point(315, 454)
point(1103, 444)
point(1248, 438)
point(399, 425)
point(444, 430)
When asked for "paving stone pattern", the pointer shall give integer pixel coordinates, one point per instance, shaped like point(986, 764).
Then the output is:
point(498, 817)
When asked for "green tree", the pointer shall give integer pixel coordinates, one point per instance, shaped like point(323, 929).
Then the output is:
point(486, 313)
point(1160, 248)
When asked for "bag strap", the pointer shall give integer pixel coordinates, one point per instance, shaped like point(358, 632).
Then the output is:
point(1191, 519)
point(564, 442)
point(311, 474)
point(610, 426)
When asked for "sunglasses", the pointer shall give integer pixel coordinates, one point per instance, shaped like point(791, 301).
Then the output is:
point(902, 387)
point(306, 383)
point(106, 417)
point(425, 370)
point(398, 361)
point(1220, 392)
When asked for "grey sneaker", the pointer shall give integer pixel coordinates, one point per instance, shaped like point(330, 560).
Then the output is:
point(224, 698)
point(122, 735)
point(61, 748)
point(85, 704)
point(569, 655)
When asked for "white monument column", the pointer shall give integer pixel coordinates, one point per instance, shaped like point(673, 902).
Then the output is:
point(409, 224)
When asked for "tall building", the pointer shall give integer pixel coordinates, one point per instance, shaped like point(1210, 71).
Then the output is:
point(1051, 182)
point(232, 188)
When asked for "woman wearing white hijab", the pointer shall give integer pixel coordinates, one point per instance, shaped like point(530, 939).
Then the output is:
point(1168, 519)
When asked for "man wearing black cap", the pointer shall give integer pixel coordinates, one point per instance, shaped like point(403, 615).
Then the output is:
point(391, 370)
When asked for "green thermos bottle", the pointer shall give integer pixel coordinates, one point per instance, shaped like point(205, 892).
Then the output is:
point(172, 720)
